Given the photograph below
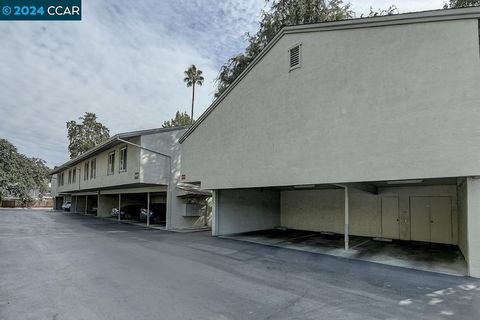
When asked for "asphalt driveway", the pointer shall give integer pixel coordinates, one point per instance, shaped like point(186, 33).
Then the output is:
point(65, 266)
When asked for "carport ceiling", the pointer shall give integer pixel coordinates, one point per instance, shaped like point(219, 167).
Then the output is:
point(373, 185)
point(416, 182)
point(307, 187)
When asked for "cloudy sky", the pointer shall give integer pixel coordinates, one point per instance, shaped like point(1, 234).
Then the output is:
point(124, 61)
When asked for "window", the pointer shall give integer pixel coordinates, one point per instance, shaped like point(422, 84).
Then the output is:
point(86, 170)
point(61, 179)
point(111, 163)
point(123, 159)
point(295, 57)
point(74, 175)
point(69, 176)
point(93, 169)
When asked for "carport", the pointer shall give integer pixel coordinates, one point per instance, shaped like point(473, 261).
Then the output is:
point(85, 203)
point(131, 201)
point(414, 223)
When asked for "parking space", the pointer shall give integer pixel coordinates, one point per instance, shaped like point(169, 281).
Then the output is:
point(425, 256)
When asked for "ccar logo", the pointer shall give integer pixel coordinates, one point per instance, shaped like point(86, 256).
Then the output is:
point(62, 11)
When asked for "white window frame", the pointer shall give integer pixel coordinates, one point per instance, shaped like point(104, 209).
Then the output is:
point(86, 169)
point(122, 160)
point(70, 176)
point(111, 164)
point(74, 175)
point(93, 168)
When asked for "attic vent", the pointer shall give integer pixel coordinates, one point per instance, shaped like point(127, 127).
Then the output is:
point(295, 57)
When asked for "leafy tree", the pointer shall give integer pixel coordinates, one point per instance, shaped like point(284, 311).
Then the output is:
point(461, 4)
point(282, 13)
point(86, 134)
point(8, 165)
point(19, 175)
point(193, 76)
point(381, 12)
point(181, 119)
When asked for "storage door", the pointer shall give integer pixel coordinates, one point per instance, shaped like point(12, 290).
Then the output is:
point(390, 219)
point(431, 219)
point(420, 219)
point(441, 219)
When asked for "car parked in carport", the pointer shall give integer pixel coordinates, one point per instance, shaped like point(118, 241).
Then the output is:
point(131, 211)
point(115, 212)
point(67, 205)
point(158, 213)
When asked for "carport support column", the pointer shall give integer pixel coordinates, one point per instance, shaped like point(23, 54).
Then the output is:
point(215, 217)
point(86, 203)
point(119, 205)
point(473, 225)
point(347, 216)
point(170, 206)
point(148, 209)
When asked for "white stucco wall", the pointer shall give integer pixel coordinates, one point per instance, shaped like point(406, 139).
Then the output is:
point(370, 104)
point(102, 179)
point(245, 210)
point(54, 186)
point(154, 167)
point(323, 210)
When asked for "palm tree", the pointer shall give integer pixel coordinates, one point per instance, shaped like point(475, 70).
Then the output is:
point(193, 76)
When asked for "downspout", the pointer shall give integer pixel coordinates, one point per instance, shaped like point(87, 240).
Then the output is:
point(170, 178)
